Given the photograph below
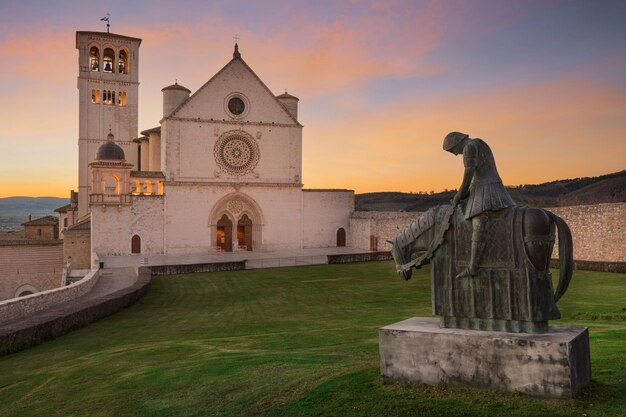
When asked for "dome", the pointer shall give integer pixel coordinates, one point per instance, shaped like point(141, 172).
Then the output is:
point(287, 96)
point(176, 86)
point(110, 152)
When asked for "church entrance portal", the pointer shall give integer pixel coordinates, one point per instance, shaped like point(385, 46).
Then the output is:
point(225, 234)
point(244, 233)
point(236, 223)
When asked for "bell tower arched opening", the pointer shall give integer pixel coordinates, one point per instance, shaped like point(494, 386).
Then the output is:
point(94, 59)
point(109, 60)
point(122, 63)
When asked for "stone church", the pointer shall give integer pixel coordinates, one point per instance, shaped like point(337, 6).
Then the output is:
point(222, 171)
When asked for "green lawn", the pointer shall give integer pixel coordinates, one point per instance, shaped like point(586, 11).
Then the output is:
point(286, 342)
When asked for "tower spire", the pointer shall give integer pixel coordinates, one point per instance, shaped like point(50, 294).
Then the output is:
point(107, 18)
point(236, 53)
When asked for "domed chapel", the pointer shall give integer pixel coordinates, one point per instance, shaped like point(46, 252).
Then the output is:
point(222, 170)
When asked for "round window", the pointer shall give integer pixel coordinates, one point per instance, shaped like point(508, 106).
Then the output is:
point(236, 106)
point(236, 153)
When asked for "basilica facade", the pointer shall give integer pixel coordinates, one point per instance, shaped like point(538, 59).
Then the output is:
point(222, 170)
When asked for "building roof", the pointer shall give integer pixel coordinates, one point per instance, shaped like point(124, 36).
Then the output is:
point(110, 151)
point(64, 209)
point(111, 164)
point(107, 34)
point(287, 95)
point(176, 86)
point(147, 174)
point(236, 57)
point(81, 226)
point(152, 130)
point(42, 221)
point(327, 190)
point(33, 242)
point(140, 139)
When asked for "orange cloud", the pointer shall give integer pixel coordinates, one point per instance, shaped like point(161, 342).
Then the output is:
point(560, 129)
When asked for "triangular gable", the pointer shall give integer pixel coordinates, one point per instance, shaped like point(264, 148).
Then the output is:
point(184, 110)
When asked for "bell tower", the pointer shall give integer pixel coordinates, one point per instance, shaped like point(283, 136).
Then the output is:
point(108, 85)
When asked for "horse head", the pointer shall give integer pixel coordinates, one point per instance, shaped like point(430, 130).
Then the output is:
point(419, 236)
point(401, 257)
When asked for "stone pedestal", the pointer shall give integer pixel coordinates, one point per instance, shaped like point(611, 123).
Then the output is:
point(553, 364)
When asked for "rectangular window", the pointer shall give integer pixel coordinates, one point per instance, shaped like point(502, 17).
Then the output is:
point(108, 97)
point(95, 96)
point(121, 99)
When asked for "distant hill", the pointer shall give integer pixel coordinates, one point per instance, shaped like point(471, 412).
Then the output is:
point(609, 188)
point(15, 210)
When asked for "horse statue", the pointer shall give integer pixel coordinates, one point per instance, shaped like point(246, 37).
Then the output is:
point(513, 289)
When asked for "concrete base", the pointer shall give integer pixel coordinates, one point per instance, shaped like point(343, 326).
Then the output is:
point(553, 364)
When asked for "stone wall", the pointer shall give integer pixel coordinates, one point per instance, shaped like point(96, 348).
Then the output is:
point(369, 230)
point(598, 231)
point(41, 327)
point(324, 213)
point(16, 308)
point(77, 248)
point(359, 257)
point(192, 268)
point(41, 232)
point(29, 266)
point(112, 228)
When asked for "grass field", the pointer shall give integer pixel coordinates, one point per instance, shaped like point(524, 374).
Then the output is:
point(286, 342)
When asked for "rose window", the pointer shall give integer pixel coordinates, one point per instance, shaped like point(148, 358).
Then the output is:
point(236, 153)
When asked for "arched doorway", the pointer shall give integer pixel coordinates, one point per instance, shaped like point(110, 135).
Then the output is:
point(341, 237)
point(236, 219)
point(225, 234)
point(244, 233)
point(135, 244)
point(25, 290)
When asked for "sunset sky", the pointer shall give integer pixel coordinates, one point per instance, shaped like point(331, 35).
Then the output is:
point(380, 83)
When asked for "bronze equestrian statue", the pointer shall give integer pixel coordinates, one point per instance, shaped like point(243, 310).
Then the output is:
point(483, 189)
point(490, 257)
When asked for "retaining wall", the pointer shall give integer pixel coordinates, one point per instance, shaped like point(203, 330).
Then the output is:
point(359, 257)
point(598, 232)
point(38, 264)
point(72, 316)
point(205, 267)
point(16, 308)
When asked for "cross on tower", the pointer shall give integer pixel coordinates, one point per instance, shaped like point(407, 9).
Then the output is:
point(236, 38)
point(106, 19)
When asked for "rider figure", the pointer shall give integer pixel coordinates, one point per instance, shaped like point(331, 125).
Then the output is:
point(483, 189)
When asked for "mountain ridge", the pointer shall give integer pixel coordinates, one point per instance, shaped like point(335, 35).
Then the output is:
point(609, 188)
